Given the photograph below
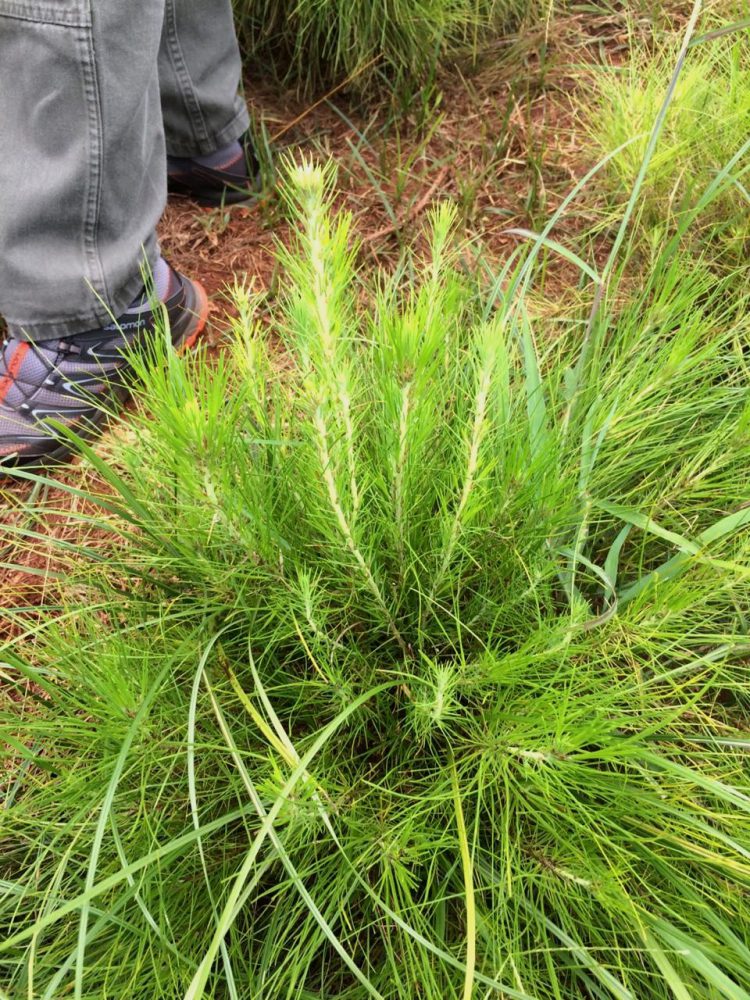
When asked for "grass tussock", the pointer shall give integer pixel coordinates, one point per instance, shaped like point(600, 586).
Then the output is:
point(704, 132)
point(424, 672)
point(320, 42)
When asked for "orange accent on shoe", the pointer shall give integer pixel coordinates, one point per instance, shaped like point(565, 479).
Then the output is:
point(202, 317)
point(13, 369)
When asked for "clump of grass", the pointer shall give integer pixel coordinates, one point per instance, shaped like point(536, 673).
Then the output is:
point(316, 42)
point(705, 130)
point(424, 672)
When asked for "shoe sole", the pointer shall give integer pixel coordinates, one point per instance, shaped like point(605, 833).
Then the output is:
point(183, 339)
point(208, 198)
point(217, 200)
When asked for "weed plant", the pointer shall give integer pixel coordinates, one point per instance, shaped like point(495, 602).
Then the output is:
point(707, 122)
point(423, 669)
point(321, 42)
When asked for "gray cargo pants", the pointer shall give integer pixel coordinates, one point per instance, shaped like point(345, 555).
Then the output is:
point(89, 92)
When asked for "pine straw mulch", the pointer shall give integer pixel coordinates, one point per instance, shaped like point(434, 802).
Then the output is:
point(506, 143)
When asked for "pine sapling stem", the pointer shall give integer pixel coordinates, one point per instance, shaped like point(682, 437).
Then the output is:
point(346, 530)
point(336, 370)
point(477, 436)
point(398, 484)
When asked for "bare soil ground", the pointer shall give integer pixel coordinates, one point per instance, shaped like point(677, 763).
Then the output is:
point(505, 143)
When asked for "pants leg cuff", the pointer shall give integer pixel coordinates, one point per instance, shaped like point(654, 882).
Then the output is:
point(56, 329)
point(217, 140)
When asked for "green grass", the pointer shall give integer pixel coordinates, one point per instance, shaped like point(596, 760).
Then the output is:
point(322, 42)
point(706, 125)
point(423, 669)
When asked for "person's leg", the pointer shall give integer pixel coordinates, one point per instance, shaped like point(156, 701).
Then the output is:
point(200, 75)
point(211, 158)
point(82, 186)
point(82, 172)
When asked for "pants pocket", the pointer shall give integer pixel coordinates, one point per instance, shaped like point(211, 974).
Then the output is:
point(74, 13)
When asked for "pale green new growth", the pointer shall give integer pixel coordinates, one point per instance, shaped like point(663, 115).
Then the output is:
point(706, 125)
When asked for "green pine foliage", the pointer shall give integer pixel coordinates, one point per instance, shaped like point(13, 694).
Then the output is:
point(322, 42)
point(423, 672)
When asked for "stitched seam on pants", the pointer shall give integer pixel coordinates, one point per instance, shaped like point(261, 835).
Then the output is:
point(176, 57)
point(42, 13)
point(95, 154)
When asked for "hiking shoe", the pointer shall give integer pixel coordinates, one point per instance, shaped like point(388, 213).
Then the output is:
point(229, 181)
point(80, 380)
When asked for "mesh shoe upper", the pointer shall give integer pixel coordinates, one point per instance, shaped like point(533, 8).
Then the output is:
point(75, 381)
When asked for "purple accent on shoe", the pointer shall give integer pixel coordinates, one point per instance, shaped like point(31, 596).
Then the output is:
point(225, 158)
point(230, 161)
point(162, 279)
point(227, 177)
point(161, 276)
